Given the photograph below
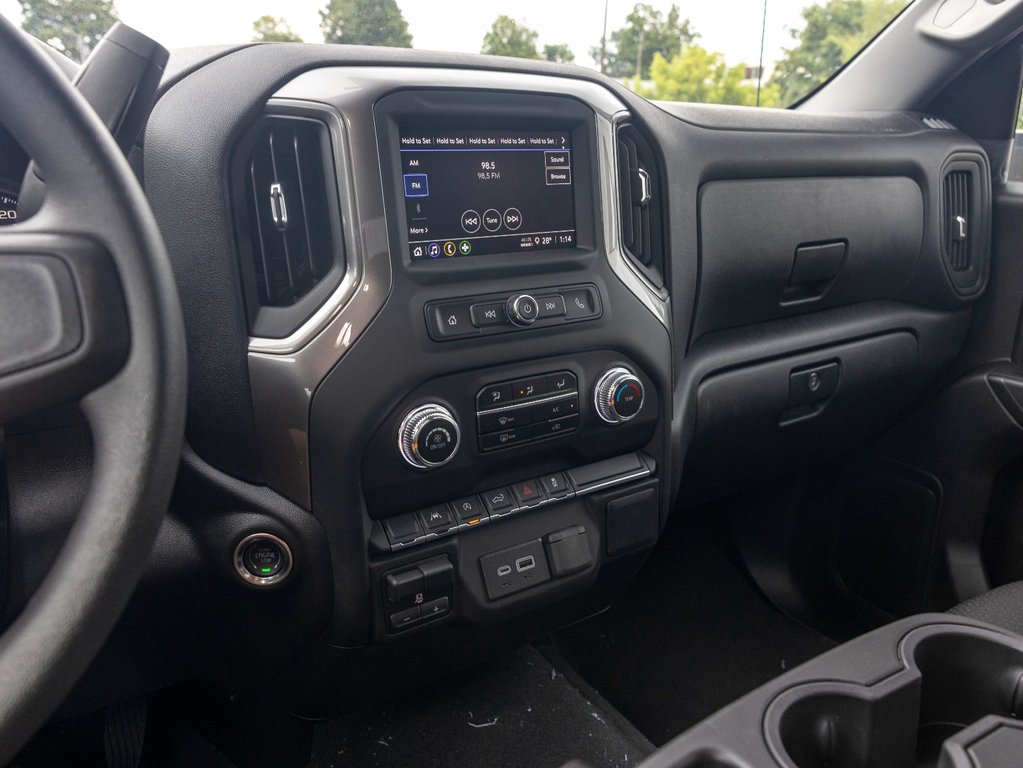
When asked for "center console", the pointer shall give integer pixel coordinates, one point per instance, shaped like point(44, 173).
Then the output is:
point(489, 447)
point(931, 690)
point(563, 444)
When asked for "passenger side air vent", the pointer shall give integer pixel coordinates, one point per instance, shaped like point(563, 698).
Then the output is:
point(958, 218)
point(966, 220)
point(639, 192)
point(292, 250)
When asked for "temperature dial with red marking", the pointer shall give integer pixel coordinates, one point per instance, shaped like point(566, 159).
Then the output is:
point(618, 396)
point(428, 437)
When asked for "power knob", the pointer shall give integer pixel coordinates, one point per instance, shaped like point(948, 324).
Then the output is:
point(428, 437)
point(523, 309)
point(618, 395)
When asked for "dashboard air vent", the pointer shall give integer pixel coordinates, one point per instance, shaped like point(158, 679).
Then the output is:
point(291, 227)
point(937, 124)
point(640, 204)
point(964, 223)
point(958, 219)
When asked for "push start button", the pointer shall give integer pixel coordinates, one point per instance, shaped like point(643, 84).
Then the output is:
point(262, 559)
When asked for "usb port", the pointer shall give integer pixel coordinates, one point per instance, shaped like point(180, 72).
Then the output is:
point(504, 570)
point(525, 563)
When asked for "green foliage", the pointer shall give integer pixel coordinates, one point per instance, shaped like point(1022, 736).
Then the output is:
point(698, 75)
point(559, 53)
point(834, 32)
point(508, 37)
point(647, 32)
point(73, 27)
point(770, 95)
point(273, 29)
point(365, 22)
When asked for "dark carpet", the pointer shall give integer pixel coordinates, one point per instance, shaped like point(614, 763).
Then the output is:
point(690, 636)
point(517, 712)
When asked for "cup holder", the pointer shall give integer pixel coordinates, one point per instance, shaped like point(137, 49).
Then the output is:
point(953, 677)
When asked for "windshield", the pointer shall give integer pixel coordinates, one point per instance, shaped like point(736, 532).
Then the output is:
point(767, 53)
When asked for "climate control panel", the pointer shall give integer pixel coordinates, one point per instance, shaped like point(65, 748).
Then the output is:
point(524, 410)
point(460, 433)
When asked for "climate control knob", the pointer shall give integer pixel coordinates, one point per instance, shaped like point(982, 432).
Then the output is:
point(618, 395)
point(428, 437)
point(523, 309)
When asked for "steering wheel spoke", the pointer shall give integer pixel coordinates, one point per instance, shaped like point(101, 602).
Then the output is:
point(63, 326)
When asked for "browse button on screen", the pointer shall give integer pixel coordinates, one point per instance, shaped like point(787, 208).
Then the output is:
point(556, 176)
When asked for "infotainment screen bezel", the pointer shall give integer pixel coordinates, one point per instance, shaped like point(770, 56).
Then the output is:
point(456, 109)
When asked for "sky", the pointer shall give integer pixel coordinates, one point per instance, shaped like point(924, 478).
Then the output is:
point(729, 26)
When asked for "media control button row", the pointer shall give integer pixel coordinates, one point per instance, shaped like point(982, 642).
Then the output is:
point(472, 316)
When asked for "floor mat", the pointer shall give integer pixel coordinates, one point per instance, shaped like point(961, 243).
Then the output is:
point(517, 712)
point(691, 635)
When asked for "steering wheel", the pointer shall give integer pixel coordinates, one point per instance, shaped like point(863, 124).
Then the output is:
point(89, 313)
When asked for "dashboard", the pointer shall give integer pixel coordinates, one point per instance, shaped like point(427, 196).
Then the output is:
point(462, 338)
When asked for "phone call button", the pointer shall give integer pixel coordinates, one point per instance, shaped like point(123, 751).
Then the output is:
point(579, 302)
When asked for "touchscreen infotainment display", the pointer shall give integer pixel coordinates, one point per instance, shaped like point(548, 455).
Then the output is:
point(472, 193)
